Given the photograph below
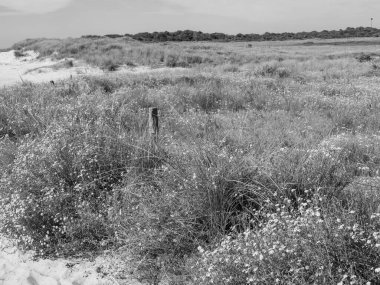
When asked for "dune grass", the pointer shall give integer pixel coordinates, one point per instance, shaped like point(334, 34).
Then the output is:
point(251, 180)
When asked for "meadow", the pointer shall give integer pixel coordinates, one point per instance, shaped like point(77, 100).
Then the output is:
point(266, 169)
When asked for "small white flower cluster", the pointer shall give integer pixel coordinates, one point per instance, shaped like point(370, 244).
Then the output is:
point(295, 246)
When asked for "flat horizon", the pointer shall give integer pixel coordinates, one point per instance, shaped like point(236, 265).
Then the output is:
point(74, 18)
point(123, 34)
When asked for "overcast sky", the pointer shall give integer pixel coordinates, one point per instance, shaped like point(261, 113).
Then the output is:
point(20, 19)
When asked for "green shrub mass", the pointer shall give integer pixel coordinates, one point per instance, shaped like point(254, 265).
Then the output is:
point(265, 170)
point(188, 35)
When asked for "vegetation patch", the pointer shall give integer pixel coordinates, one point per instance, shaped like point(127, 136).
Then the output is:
point(264, 169)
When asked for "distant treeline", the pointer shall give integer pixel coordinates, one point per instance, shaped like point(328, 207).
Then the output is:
point(187, 35)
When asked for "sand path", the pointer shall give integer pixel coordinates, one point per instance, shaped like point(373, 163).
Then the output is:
point(19, 268)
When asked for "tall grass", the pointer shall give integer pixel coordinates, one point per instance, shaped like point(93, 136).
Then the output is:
point(111, 53)
point(255, 166)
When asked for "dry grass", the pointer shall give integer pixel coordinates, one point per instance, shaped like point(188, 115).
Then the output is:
point(251, 139)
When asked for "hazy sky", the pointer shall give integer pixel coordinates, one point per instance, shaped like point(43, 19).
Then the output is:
point(20, 19)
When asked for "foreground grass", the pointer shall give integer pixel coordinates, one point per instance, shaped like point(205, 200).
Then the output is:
point(265, 171)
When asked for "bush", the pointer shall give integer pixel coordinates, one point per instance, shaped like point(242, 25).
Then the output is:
point(209, 96)
point(104, 84)
point(57, 195)
point(8, 150)
point(267, 70)
point(363, 194)
point(19, 53)
point(171, 60)
point(231, 68)
point(195, 199)
point(283, 72)
point(110, 64)
point(311, 245)
point(364, 57)
point(175, 60)
point(194, 59)
point(272, 69)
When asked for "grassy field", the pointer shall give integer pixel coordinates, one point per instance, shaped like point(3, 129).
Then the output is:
point(266, 169)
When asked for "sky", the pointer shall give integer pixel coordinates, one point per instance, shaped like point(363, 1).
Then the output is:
point(21, 19)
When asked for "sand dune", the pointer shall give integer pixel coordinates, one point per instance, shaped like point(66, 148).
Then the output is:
point(30, 68)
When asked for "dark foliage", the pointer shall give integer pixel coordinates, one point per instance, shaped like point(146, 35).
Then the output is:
point(189, 35)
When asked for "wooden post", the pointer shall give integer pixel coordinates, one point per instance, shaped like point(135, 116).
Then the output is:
point(153, 124)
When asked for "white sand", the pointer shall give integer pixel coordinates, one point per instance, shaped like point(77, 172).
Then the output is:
point(19, 268)
point(14, 69)
point(29, 68)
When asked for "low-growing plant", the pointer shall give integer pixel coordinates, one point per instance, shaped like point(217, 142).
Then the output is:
point(194, 59)
point(247, 137)
point(175, 60)
point(58, 189)
point(19, 53)
point(283, 72)
point(60, 183)
point(191, 201)
point(364, 57)
point(308, 245)
point(268, 70)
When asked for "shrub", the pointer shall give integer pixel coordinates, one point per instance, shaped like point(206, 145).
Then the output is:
point(109, 64)
point(311, 245)
point(56, 197)
point(330, 91)
point(194, 59)
point(267, 70)
point(364, 57)
point(65, 64)
point(104, 84)
point(130, 64)
point(231, 68)
point(8, 150)
point(68, 63)
point(19, 53)
point(272, 69)
point(363, 194)
point(283, 72)
point(331, 165)
point(208, 96)
point(373, 72)
point(175, 60)
point(189, 202)
point(171, 60)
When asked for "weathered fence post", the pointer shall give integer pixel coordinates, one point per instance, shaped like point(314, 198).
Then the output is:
point(153, 124)
point(153, 137)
